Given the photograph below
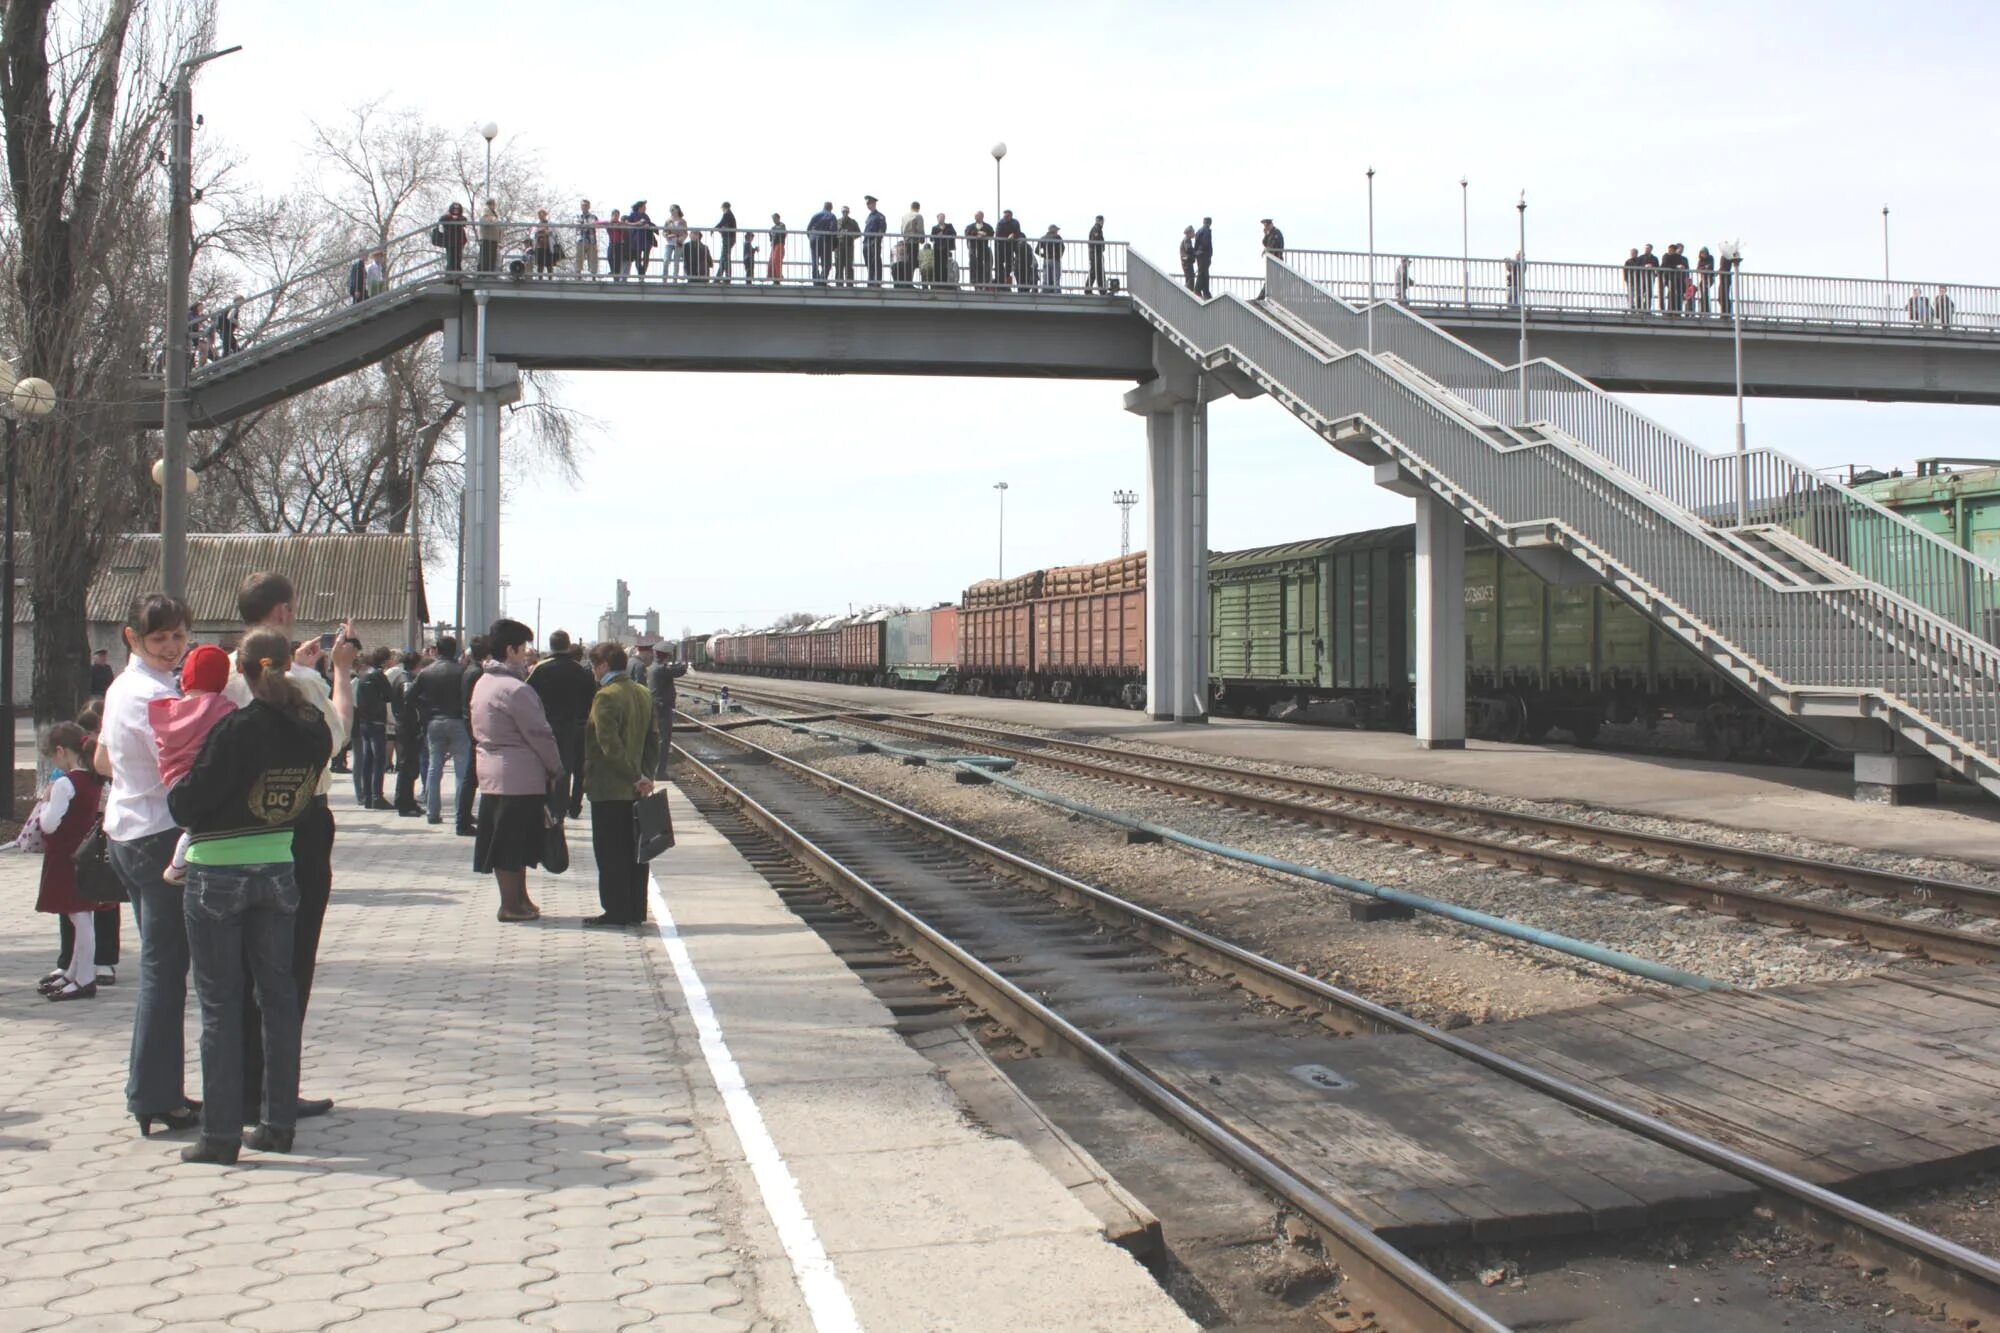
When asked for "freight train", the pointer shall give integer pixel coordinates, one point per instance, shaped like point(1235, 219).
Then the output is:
point(1326, 630)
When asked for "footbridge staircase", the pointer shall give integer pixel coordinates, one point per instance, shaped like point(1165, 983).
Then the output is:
point(1852, 621)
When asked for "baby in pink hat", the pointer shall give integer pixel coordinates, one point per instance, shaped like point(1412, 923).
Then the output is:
point(181, 725)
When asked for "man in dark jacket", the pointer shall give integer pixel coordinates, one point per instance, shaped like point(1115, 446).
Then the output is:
point(1007, 246)
point(1673, 279)
point(725, 229)
point(373, 696)
point(820, 228)
point(1204, 251)
point(850, 232)
point(101, 674)
point(1095, 282)
point(438, 694)
point(409, 740)
point(660, 680)
point(979, 250)
point(641, 235)
point(872, 231)
point(1648, 265)
point(565, 688)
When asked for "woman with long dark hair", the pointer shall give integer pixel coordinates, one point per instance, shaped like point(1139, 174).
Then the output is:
point(142, 834)
point(254, 778)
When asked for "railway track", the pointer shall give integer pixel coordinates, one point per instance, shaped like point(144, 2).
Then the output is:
point(1651, 866)
point(1066, 965)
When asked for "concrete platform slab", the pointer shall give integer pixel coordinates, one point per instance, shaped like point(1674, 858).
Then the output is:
point(528, 1133)
point(1804, 802)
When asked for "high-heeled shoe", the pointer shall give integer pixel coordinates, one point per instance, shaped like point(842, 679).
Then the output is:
point(220, 1152)
point(269, 1138)
point(171, 1122)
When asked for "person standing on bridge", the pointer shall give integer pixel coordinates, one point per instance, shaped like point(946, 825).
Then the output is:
point(913, 230)
point(820, 228)
point(225, 327)
point(1274, 240)
point(778, 233)
point(1919, 307)
point(1006, 244)
point(1941, 309)
point(700, 263)
point(750, 256)
point(675, 262)
point(1187, 256)
point(944, 253)
point(616, 254)
point(1051, 246)
point(450, 234)
point(1704, 265)
point(1726, 283)
point(979, 250)
point(1633, 301)
point(725, 230)
point(872, 231)
point(850, 232)
point(490, 234)
point(642, 234)
point(1674, 276)
point(1095, 282)
point(545, 245)
point(1649, 265)
point(1204, 254)
point(586, 242)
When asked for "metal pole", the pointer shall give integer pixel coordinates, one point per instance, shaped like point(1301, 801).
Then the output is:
point(1000, 569)
point(413, 623)
point(1742, 439)
point(7, 617)
point(489, 169)
point(1371, 259)
point(1465, 237)
point(996, 189)
point(173, 414)
point(1885, 243)
point(1521, 300)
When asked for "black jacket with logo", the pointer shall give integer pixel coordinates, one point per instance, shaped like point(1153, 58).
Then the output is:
point(256, 773)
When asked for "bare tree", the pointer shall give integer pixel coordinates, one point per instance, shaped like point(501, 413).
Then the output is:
point(84, 128)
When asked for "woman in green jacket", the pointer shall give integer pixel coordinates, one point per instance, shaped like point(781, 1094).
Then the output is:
point(621, 746)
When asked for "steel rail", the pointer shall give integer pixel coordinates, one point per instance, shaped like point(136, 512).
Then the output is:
point(1843, 923)
point(1928, 1263)
point(1395, 1282)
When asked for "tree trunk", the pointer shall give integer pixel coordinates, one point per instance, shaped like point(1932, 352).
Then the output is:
point(61, 655)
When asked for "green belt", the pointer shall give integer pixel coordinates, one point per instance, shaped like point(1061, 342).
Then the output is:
point(244, 849)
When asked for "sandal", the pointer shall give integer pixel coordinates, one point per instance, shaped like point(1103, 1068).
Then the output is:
point(508, 916)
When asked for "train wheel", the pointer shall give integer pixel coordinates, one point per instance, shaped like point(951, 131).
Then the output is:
point(1585, 729)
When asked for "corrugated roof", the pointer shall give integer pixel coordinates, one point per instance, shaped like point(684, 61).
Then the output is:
point(1401, 535)
point(336, 575)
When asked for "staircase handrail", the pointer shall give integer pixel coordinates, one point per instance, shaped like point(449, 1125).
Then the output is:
point(1727, 489)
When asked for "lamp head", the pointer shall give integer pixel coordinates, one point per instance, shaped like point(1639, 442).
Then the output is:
point(33, 397)
point(160, 476)
point(999, 151)
point(490, 130)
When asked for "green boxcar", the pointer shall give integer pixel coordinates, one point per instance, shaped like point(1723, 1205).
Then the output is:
point(1964, 509)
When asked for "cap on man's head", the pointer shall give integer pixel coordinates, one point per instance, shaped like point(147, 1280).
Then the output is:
point(1265, 221)
point(727, 204)
point(206, 667)
point(868, 198)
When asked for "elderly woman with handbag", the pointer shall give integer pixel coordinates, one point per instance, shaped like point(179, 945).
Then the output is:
point(517, 762)
point(621, 748)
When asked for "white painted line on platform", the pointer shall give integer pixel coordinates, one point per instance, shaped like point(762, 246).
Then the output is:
point(825, 1294)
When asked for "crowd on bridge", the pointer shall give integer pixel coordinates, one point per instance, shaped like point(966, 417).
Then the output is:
point(198, 790)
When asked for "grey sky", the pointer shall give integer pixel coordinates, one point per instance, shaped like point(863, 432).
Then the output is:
point(735, 498)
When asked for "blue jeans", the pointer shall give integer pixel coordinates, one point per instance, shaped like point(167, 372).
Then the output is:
point(371, 761)
point(449, 737)
point(239, 921)
point(155, 1083)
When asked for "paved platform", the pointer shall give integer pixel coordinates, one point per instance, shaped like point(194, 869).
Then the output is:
point(703, 1125)
point(1804, 802)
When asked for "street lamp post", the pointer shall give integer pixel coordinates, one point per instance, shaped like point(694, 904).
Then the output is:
point(180, 258)
point(1124, 500)
point(1371, 259)
point(999, 151)
point(1465, 236)
point(1521, 301)
point(1000, 571)
point(1732, 255)
point(30, 399)
point(490, 131)
point(1885, 242)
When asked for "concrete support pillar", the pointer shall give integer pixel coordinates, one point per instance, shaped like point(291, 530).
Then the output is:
point(1440, 575)
point(1162, 553)
point(1895, 779)
point(1176, 535)
point(484, 390)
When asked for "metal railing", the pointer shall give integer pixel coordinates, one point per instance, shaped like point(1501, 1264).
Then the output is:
point(533, 252)
point(1612, 290)
point(1846, 637)
point(1760, 488)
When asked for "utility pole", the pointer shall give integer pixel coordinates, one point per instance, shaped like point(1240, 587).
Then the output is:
point(1371, 259)
point(1885, 242)
point(1124, 500)
point(1001, 570)
point(180, 258)
point(1521, 300)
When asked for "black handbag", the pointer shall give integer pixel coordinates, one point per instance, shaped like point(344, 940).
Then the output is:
point(96, 881)
point(655, 826)
point(555, 846)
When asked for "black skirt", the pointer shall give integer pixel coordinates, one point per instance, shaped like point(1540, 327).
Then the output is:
point(510, 832)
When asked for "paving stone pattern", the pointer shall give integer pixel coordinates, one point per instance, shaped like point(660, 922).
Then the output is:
point(517, 1141)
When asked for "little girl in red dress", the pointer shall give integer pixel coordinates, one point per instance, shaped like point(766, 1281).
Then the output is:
point(67, 815)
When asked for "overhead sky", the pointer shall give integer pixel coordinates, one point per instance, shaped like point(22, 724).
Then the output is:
point(733, 499)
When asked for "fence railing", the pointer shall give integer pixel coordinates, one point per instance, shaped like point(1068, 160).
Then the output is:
point(1848, 636)
point(1652, 293)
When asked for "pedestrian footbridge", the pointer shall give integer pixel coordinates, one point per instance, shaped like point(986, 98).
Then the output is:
point(1855, 623)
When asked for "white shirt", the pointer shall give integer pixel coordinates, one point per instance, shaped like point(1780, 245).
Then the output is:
point(56, 804)
point(317, 692)
point(137, 805)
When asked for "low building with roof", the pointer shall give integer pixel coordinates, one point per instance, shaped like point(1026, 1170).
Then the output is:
point(366, 577)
